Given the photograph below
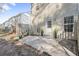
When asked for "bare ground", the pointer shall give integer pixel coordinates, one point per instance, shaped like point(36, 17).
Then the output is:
point(11, 49)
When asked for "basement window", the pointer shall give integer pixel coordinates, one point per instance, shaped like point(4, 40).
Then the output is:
point(68, 23)
point(49, 24)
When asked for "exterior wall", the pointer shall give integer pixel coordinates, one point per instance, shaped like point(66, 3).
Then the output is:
point(67, 10)
point(78, 32)
point(56, 12)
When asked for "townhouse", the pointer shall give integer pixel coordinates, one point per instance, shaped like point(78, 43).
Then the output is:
point(57, 20)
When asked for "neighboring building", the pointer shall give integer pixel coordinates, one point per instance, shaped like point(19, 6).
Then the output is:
point(59, 17)
point(20, 23)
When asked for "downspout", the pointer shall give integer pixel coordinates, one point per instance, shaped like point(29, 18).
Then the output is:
point(76, 26)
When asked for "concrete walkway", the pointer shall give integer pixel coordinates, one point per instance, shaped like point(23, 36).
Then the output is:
point(49, 46)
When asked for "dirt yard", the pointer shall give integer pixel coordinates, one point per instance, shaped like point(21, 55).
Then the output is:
point(14, 49)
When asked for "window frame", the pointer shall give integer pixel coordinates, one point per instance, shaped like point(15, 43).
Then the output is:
point(49, 24)
point(69, 22)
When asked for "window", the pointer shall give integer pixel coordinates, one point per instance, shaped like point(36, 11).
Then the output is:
point(68, 19)
point(49, 24)
point(38, 29)
point(57, 6)
point(68, 28)
point(68, 24)
point(37, 7)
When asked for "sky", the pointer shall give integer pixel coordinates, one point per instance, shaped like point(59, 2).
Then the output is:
point(12, 9)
